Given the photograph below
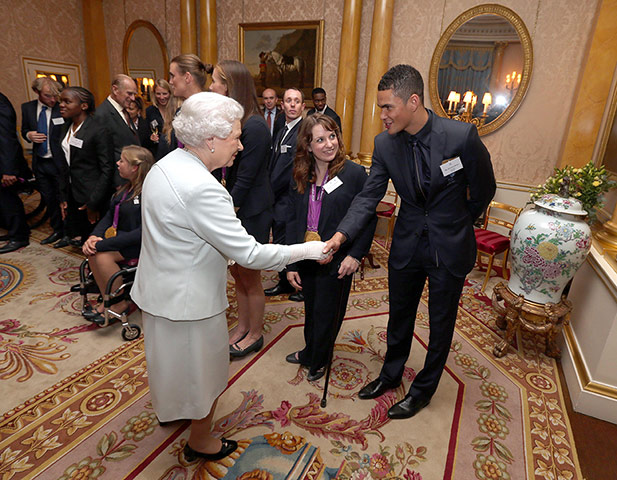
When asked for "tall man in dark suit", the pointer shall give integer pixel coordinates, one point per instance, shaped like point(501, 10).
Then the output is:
point(444, 177)
point(40, 124)
point(113, 115)
point(272, 112)
point(13, 169)
point(321, 106)
point(281, 166)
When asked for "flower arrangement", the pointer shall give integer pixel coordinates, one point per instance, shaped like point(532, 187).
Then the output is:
point(587, 184)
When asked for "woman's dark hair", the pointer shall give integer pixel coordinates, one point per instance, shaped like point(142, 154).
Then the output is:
point(304, 163)
point(240, 86)
point(189, 62)
point(84, 96)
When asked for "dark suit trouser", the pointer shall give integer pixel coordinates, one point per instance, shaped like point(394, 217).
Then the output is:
point(405, 288)
point(48, 180)
point(77, 223)
point(322, 297)
point(13, 214)
point(278, 237)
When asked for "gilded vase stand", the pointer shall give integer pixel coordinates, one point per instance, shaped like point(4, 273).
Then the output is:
point(518, 313)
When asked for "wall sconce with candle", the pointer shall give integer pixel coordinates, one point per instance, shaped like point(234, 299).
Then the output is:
point(513, 80)
point(470, 99)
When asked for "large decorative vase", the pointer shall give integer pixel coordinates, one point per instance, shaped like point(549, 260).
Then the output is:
point(548, 245)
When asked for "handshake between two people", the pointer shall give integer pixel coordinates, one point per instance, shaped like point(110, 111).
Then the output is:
point(322, 252)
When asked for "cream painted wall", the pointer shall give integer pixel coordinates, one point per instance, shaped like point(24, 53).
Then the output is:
point(43, 29)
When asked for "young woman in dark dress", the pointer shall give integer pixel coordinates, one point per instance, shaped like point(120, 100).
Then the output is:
point(158, 115)
point(117, 237)
point(323, 187)
point(248, 183)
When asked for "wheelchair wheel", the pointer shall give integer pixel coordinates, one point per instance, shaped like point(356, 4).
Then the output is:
point(131, 332)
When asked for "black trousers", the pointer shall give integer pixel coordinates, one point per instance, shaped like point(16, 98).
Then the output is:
point(77, 223)
point(322, 297)
point(405, 289)
point(12, 214)
point(48, 180)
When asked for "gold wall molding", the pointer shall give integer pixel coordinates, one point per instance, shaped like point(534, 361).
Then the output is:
point(208, 47)
point(593, 93)
point(188, 27)
point(348, 67)
point(587, 384)
point(95, 40)
point(379, 55)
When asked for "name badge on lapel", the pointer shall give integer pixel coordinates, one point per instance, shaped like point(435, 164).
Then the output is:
point(450, 166)
point(57, 121)
point(332, 185)
point(284, 148)
point(154, 124)
point(76, 142)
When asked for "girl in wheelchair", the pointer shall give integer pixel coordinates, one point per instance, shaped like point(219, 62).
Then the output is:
point(116, 239)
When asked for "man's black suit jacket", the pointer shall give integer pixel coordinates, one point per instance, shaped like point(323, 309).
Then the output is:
point(333, 208)
point(118, 131)
point(454, 202)
point(92, 166)
point(29, 123)
point(12, 160)
point(281, 166)
point(331, 113)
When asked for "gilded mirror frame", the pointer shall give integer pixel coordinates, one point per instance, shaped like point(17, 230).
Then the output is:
point(523, 33)
point(127, 41)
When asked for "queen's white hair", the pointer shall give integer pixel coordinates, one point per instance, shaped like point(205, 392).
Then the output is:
point(205, 115)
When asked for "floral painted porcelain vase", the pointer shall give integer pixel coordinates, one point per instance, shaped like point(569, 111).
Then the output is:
point(548, 245)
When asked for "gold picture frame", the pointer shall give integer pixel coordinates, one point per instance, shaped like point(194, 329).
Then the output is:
point(525, 39)
point(67, 74)
point(281, 55)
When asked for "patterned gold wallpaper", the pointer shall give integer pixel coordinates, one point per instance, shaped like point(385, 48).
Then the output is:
point(524, 151)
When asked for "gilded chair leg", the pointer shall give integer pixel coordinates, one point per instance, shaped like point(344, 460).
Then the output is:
point(504, 269)
point(488, 271)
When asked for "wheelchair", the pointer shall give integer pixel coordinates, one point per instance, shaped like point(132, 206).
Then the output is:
point(111, 296)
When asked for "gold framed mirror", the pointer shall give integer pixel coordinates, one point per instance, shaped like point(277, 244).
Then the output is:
point(487, 52)
point(144, 55)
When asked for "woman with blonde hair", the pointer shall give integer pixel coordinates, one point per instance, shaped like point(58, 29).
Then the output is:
point(117, 237)
point(248, 183)
point(159, 117)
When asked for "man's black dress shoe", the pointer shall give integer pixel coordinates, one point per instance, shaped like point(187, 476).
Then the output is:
point(75, 242)
point(279, 289)
point(237, 352)
point(228, 447)
point(52, 238)
point(14, 245)
point(297, 297)
point(407, 407)
point(63, 242)
point(375, 389)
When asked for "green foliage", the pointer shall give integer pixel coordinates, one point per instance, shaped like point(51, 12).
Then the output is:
point(587, 184)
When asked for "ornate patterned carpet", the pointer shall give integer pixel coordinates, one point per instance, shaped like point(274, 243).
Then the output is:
point(75, 398)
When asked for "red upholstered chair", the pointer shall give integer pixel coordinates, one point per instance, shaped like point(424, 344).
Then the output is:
point(387, 209)
point(491, 243)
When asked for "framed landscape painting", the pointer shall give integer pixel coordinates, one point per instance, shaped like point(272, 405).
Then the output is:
point(281, 55)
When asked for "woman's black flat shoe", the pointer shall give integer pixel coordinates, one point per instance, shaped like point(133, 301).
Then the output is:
point(228, 447)
point(236, 352)
point(312, 377)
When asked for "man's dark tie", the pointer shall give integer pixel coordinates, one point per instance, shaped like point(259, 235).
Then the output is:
point(41, 127)
point(129, 121)
point(270, 120)
point(422, 171)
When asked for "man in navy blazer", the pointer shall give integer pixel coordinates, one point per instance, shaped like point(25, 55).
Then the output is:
point(281, 166)
point(443, 175)
point(40, 124)
point(321, 106)
point(113, 116)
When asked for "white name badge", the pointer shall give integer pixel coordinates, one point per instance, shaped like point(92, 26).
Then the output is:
point(332, 185)
point(154, 124)
point(451, 166)
point(76, 142)
point(57, 121)
point(136, 200)
point(284, 148)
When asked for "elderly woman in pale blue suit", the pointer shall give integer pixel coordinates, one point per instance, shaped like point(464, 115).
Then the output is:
point(190, 232)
